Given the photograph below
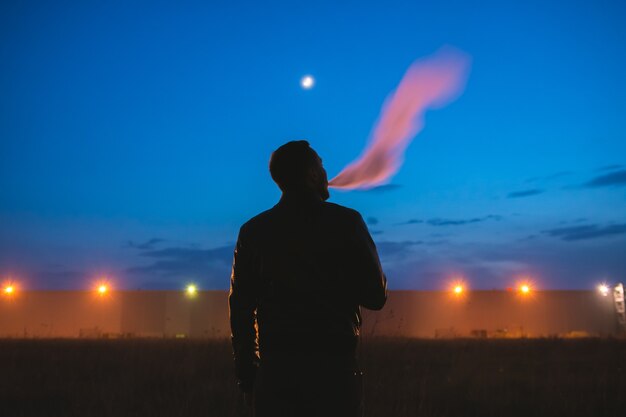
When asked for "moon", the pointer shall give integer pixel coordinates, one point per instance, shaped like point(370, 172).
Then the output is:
point(307, 82)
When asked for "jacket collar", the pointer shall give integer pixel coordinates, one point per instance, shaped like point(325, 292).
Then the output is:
point(300, 198)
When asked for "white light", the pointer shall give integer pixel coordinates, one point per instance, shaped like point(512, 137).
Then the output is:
point(603, 289)
point(191, 290)
point(307, 82)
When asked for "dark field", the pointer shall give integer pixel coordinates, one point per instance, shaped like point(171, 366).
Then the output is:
point(526, 377)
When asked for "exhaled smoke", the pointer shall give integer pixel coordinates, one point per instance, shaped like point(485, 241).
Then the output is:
point(429, 83)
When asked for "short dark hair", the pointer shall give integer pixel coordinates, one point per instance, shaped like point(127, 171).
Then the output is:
point(290, 164)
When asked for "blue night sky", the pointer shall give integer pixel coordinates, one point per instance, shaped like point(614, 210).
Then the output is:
point(134, 139)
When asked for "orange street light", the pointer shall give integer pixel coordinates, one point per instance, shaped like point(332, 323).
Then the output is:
point(103, 288)
point(458, 288)
point(525, 289)
point(9, 289)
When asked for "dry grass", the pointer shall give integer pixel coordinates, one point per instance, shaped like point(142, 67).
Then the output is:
point(404, 377)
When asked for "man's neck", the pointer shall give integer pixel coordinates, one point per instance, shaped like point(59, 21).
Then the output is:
point(305, 195)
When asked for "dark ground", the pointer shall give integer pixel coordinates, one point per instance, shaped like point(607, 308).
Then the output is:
point(404, 377)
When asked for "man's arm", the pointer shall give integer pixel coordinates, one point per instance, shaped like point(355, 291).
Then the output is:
point(372, 283)
point(242, 302)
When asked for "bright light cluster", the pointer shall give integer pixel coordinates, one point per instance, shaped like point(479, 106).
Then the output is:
point(458, 289)
point(101, 288)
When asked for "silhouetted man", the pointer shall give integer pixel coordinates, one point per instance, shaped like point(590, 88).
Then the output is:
point(301, 272)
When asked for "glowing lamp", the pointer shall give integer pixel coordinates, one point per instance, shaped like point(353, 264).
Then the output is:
point(191, 290)
point(603, 289)
point(457, 287)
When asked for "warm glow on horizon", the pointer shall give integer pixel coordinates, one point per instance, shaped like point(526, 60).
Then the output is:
point(9, 289)
point(102, 289)
point(458, 289)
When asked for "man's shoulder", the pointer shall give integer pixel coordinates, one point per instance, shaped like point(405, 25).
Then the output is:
point(260, 219)
point(339, 210)
point(330, 209)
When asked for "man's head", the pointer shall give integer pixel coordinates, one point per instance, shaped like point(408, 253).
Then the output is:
point(295, 166)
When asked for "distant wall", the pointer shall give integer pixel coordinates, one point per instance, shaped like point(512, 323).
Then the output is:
point(57, 313)
point(496, 313)
point(407, 313)
point(117, 314)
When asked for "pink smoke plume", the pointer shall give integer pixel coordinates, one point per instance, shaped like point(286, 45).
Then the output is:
point(427, 84)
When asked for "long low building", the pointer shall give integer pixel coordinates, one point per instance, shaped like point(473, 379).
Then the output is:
point(426, 314)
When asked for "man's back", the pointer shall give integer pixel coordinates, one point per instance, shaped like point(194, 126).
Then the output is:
point(301, 272)
point(309, 265)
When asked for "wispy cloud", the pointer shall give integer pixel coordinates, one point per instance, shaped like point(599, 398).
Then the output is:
point(372, 221)
point(551, 263)
point(578, 220)
point(461, 222)
point(554, 176)
point(592, 231)
point(525, 193)
point(190, 262)
point(612, 179)
point(147, 245)
point(609, 168)
point(389, 249)
point(410, 221)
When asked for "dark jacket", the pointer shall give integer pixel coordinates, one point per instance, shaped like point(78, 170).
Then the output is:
point(301, 272)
